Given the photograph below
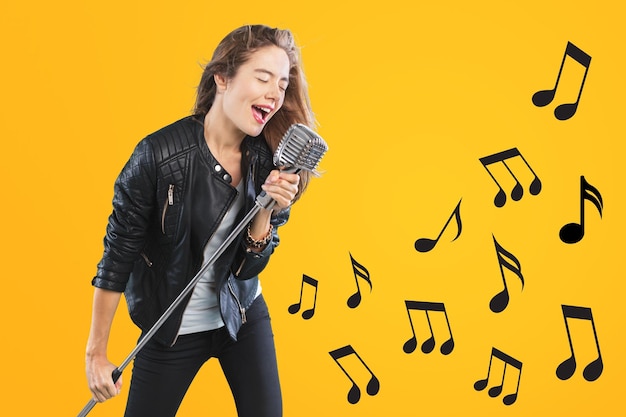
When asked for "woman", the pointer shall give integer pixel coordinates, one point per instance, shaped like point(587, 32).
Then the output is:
point(177, 198)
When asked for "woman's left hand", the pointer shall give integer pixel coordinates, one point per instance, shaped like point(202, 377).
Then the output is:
point(282, 187)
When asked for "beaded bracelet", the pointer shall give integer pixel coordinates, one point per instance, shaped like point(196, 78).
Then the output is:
point(258, 244)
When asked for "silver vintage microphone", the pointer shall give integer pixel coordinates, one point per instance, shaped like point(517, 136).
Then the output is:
point(299, 149)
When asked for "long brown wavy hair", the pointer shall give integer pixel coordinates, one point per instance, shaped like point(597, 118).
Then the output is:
point(233, 51)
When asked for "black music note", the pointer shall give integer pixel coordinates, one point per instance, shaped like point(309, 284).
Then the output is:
point(294, 308)
point(518, 190)
point(574, 232)
point(429, 344)
point(566, 369)
point(499, 301)
point(497, 390)
point(359, 271)
point(545, 97)
point(425, 244)
point(355, 393)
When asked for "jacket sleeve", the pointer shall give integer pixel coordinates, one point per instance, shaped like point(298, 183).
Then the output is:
point(133, 204)
point(249, 264)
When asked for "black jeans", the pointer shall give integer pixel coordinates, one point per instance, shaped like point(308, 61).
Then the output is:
point(161, 375)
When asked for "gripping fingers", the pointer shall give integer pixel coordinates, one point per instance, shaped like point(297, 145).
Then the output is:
point(104, 388)
point(106, 392)
point(282, 187)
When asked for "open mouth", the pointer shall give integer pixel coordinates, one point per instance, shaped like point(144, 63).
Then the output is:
point(261, 113)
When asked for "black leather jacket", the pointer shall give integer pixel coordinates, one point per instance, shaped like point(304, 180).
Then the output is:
point(168, 201)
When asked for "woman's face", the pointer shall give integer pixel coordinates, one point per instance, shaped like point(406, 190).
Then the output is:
point(257, 90)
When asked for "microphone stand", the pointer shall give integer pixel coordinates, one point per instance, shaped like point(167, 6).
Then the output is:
point(262, 201)
point(300, 148)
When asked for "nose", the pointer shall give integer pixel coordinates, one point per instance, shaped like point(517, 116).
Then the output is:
point(273, 92)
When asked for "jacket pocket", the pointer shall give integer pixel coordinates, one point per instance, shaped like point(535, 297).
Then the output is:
point(169, 201)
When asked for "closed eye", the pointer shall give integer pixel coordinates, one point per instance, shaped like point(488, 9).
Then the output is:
point(265, 76)
point(281, 87)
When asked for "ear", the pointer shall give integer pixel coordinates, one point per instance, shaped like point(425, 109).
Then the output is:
point(220, 81)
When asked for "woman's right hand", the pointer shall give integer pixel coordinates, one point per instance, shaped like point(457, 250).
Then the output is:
point(100, 378)
point(98, 368)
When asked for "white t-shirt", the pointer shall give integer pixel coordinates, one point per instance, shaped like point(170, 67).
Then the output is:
point(203, 312)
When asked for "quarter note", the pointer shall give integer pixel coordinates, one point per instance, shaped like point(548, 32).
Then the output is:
point(426, 244)
point(574, 232)
point(354, 394)
point(545, 97)
point(359, 272)
point(294, 308)
point(429, 344)
point(497, 390)
point(506, 260)
point(518, 190)
point(567, 368)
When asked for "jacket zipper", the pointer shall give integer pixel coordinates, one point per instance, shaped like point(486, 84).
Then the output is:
point(241, 309)
point(253, 172)
point(146, 259)
point(252, 175)
point(169, 202)
point(238, 272)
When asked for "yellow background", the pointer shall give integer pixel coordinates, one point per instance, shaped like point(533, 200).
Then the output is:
point(409, 96)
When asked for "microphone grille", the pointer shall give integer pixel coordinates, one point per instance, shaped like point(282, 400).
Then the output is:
point(301, 148)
